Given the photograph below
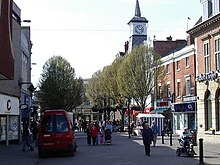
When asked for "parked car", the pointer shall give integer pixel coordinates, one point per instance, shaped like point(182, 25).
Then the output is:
point(56, 133)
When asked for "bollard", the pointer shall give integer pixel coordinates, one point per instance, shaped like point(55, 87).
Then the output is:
point(162, 137)
point(171, 138)
point(201, 151)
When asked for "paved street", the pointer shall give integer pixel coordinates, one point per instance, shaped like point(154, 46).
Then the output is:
point(123, 151)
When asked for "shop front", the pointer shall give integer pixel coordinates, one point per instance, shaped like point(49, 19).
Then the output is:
point(209, 107)
point(9, 119)
point(184, 115)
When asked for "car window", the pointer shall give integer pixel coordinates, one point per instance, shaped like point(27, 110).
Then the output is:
point(47, 124)
point(54, 123)
point(61, 123)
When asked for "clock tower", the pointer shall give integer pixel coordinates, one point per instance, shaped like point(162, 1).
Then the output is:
point(138, 28)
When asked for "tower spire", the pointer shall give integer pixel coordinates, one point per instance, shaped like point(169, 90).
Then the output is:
point(137, 9)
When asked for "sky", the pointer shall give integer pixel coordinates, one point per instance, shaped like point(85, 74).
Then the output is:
point(90, 33)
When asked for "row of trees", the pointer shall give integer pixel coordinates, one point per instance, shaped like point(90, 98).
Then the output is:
point(129, 77)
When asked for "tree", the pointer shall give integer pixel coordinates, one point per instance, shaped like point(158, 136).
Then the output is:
point(137, 74)
point(58, 86)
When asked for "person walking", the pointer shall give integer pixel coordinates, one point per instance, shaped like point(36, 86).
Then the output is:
point(94, 134)
point(147, 136)
point(102, 134)
point(144, 122)
point(34, 130)
point(89, 132)
point(132, 128)
point(155, 131)
point(26, 138)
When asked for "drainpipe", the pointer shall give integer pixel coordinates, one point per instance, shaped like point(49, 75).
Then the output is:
point(174, 82)
point(195, 88)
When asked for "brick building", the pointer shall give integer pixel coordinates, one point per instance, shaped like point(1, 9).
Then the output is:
point(15, 72)
point(206, 37)
point(176, 91)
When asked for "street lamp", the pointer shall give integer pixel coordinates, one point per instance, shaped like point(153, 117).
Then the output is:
point(129, 118)
point(129, 115)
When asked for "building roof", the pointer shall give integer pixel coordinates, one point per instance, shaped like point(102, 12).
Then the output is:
point(137, 17)
point(164, 48)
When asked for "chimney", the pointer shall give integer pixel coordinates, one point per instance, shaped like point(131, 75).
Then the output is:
point(126, 46)
point(207, 9)
point(169, 38)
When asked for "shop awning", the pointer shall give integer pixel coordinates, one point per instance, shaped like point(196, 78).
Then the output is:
point(160, 110)
point(149, 115)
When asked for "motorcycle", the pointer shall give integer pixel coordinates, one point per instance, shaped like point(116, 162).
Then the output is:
point(186, 147)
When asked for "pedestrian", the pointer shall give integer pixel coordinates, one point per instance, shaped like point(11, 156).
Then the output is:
point(34, 131)
point(94, 134)
point(26, 138)
point(155, 131)
point(132, 128)
point(97, 126)
point(109, 126)
point(144, 122)
point(88, 132)
point(102, 134)
point(147, 136)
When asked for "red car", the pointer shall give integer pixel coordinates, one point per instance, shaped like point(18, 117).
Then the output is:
point(56, 133)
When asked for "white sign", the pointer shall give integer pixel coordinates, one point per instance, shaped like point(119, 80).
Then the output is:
point(9, 105)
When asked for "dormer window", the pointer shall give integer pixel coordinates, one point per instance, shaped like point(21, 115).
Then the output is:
point(216, 7)
point(207, 9)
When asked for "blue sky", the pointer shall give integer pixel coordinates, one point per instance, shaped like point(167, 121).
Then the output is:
point(89, 33)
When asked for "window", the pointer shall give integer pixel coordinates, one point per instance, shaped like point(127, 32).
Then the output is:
point(188, 86)
point(178, 89)
point(54, 123)
point(187, 61)
point(208, 111)
point(216, 5)
point(168, 90)
point(217, 110)
point(206, 57)
point(217, 54)
point(178, 65)
point(160, 92)
point(168, 68)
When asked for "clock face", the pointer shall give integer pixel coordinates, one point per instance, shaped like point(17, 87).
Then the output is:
point(139, 29)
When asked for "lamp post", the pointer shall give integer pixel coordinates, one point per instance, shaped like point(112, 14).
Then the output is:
point(129, 116)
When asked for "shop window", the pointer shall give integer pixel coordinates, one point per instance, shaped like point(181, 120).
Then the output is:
point(208, 111)
point(2, 128)
point(13, 128)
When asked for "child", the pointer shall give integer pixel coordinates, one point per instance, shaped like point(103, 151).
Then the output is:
point(102, 134)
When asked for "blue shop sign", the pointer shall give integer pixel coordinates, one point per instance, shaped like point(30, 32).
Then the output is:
point(184, 107)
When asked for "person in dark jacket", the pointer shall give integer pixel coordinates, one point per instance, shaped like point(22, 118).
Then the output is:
point(89, 132)
point(26, 138)
point(147, 136)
